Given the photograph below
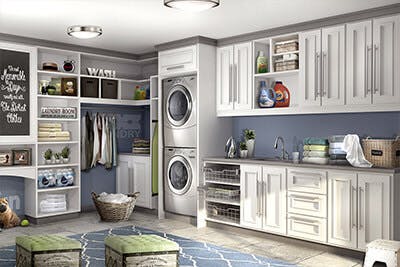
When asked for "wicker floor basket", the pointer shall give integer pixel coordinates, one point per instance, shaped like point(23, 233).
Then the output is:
point(112, 212)
point(383, 153)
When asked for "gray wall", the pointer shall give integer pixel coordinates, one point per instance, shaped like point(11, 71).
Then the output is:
point(293, 128)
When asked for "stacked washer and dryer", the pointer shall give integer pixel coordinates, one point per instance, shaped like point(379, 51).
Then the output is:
point(180, 144)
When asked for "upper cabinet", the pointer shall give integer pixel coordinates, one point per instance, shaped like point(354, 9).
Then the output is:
point(322, 67)
point(178, 60)
point(373, 59)
point(234, 77)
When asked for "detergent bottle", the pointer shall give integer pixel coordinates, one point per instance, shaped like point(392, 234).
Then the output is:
point(282, 95)
point(267, 96)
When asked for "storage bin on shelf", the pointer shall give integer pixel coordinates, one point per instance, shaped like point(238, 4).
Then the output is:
point(53, 203)
point(115, 212)
point(383, 153)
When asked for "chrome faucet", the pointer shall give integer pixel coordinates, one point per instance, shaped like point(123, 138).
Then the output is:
point(285, 154)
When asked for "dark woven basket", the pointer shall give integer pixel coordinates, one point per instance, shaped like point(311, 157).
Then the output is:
point(112, 212)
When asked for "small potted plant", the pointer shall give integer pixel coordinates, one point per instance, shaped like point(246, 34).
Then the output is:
point(250, 138)
point(48, 154)
point(65, 154)
point(243, 150)
point(57, 157)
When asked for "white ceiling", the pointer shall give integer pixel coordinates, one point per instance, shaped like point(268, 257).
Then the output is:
point(135, 26)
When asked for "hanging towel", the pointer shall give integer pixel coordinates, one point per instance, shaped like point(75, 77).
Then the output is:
point(316, 148)
point(355, 154)
point(317, 154)
point(154, 160)
point(315, 141)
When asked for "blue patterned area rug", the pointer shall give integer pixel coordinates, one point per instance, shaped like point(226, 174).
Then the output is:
point(192, 253)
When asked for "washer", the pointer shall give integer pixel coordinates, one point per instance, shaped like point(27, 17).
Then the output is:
point(180, 171)
point(179, 105)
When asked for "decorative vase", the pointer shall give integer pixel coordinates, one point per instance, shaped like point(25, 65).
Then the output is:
point(243, 153)
point(250, 147)
point(57, 161)
point(48, 161)
point(65, 160)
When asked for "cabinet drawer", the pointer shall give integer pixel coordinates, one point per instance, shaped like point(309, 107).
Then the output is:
point(307, 204)
point(307, 227)
point(307, 181)
point(178, 60)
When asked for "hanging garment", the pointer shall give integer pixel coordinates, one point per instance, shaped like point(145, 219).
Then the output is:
point(89, 136)
point(103, 145)
point(84, 141)
point(96, 141)
point(100, 130)
point(114, 142)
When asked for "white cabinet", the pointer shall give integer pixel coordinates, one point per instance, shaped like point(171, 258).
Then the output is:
point(386, 62)
point(133, 175)
point(342, 208)
point(274, 199)
point(322, 67)
point(373, 61)
point(177, 60)
point(373, 208)
point(250, 195)
point(234, 77)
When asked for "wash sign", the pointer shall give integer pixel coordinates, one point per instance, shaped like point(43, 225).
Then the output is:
point(13, 188)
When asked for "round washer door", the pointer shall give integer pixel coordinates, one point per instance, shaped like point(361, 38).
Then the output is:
point(179, 175)
point(179, 105)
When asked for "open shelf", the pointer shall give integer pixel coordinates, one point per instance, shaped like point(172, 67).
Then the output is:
point(104, 101)
point(57, 73)
point(57, 119)
point(277, 74)
point(52, 166)
point(221, 201)
point(58, 143)
point(56, 189)
point(58, 97)
point(50, 214)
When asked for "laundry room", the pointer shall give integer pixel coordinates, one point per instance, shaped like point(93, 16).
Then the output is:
point(200, 133)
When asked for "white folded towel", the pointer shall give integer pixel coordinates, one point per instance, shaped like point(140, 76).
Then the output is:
point(355, 155)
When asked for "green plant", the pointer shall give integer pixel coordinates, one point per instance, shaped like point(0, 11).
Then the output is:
point(48, 154)
point(243, 146)
point(249, 134)
point(57, 155)
point(65, 152)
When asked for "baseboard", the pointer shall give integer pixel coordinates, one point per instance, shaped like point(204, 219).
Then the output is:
point(52, 219)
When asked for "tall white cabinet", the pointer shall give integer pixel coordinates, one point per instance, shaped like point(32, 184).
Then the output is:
point(250, 199)
point(234, 77)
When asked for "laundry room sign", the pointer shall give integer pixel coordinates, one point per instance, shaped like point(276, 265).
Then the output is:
point(14, 93)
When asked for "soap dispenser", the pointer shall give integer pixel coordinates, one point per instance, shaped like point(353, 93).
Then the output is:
point(267, 96)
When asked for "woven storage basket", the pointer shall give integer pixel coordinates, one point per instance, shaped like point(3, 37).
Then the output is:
point(112, 212)
point(383, 153)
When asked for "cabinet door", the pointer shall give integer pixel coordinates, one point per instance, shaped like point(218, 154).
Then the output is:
point(123, 175)
point(178, 60)
point(373, 208)
point(310, 68)
point(386, 42)
point(142, 180)
point(342, 208)
point(333, 66)
point(274, 199)
point(359, 63)
point(224, 78)
point(243, 77)
point(250, 195)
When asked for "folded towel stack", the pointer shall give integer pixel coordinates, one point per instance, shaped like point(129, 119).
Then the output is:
point(49, 132)
point(337, 156)
point(316, 150)
point(141, 146)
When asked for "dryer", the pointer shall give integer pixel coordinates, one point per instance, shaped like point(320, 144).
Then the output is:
point(180, 181)
point(179, 116)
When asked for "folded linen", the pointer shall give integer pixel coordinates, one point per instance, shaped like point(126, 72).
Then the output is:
point(51, 139)
point(317, 154)
point(336, 145)
point(54, 134)
point(315, 141)
point(337, 156)
point(50, 125)
point(316, 147)
point(50, 129)
point(336, 151)
point(338, 162)
point(314, 160)
point(336, 138)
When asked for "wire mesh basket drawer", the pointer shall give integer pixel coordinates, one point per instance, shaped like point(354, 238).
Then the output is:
point(225, 175)
point(224, 193)
point(223, 212)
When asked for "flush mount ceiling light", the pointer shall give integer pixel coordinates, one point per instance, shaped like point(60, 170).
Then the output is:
point(192, 5)
point(84, 32)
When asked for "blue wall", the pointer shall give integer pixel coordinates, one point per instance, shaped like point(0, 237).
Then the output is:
point(293, 128)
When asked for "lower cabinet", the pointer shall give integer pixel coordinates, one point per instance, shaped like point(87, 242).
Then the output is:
point(263, 198)
point(133, 175)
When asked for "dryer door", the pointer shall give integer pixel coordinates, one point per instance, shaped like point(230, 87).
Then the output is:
point(179, 105)
point(179, 174)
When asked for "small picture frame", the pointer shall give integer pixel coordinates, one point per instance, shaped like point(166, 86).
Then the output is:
point(6, 158)
point(21, 156)
point(69, 87)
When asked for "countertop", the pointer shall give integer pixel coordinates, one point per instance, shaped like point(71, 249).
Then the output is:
point(286, 163)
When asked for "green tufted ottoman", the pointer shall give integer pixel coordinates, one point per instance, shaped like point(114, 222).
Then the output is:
point(140, 250)
point(47, 250)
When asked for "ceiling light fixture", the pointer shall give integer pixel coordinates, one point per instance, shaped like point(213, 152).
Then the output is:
point(191, 5)
point(84, 32)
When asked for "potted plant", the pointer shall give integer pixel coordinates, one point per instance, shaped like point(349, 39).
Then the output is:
point(48, 154)
point(243, 150)
point(65, 154)
point(57, 157)
point(250, 138)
